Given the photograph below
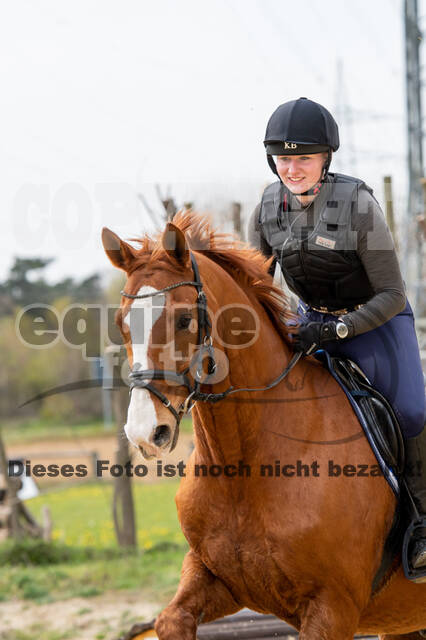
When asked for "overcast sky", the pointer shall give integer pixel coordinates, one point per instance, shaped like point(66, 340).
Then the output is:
point(102, 100)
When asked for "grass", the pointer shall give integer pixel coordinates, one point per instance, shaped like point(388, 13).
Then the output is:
point(34, 430)
point(84, 559)
point(82, 514)
point(154, 574)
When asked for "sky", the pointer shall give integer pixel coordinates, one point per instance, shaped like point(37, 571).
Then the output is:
point(102, 101)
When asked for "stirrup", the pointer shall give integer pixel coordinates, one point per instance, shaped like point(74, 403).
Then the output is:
point(420, 560)
point(412, 573)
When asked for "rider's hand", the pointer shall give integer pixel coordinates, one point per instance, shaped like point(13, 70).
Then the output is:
point(313, 335)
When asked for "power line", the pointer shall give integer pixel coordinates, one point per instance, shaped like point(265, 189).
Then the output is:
point(281, 28)
point(359, 90)
point(374, 38)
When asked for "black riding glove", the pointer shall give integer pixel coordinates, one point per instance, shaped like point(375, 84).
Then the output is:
point(313, 335)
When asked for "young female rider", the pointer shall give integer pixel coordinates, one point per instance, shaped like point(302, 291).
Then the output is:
point(329, 235)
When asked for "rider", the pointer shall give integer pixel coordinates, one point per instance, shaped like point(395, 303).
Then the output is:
point(330, 238)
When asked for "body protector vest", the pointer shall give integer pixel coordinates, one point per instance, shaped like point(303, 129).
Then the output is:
point(323, 269)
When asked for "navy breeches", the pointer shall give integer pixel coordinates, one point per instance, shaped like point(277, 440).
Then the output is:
point(390, 358)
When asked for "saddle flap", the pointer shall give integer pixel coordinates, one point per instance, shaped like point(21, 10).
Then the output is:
point(375, 414)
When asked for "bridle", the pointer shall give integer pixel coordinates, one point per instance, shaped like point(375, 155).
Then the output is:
point(205, 349)
point(141, 378)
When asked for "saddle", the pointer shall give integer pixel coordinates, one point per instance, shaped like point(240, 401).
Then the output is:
point(383, 432)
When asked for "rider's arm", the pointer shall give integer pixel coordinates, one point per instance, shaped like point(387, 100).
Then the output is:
point(377, 253)
point(256, 238)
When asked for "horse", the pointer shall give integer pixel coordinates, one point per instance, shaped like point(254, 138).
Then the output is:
point(273, 505)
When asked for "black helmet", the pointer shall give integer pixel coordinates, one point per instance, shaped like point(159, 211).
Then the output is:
point(298, 127)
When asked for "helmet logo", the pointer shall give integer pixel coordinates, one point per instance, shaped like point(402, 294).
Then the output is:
point(290, 145)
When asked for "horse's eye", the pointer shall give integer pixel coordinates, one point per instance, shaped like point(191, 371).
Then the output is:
point(184, 321)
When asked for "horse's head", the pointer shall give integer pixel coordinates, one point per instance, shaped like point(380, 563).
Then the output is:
point(166, 330)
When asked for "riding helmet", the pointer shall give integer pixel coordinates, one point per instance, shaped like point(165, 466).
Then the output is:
point(298, 127)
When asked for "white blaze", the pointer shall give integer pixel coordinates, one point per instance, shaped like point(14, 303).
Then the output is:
point(143, 314)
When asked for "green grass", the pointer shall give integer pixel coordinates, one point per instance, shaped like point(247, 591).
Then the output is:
point(33, 430)
point(84, 559)
point(154, 574)
point(82, 515)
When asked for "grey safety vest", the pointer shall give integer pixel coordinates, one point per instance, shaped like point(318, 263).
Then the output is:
point(323, 269)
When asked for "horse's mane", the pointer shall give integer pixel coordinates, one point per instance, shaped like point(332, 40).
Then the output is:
point(247, 266)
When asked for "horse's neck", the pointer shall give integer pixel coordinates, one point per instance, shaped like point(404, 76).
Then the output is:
point(226, 432)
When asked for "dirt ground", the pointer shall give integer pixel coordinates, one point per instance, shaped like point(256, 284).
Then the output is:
point(102, 617)
point(79, 450)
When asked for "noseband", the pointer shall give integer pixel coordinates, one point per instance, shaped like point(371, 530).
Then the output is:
point(141, 379)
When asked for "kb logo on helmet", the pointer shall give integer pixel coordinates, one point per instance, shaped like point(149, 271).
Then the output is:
point(290, 145)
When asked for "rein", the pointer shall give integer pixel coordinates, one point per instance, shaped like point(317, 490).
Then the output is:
point(140, 379)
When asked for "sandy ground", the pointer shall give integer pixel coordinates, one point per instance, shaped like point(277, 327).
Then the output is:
point(79, 449)
point(104, 616)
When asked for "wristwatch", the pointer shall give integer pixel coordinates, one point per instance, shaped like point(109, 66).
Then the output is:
point(341, 329)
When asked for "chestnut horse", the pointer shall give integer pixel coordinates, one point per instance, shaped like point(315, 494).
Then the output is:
point(271, 523)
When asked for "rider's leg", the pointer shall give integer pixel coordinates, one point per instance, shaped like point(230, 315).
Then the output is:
point(390, 358)
point(415, 477)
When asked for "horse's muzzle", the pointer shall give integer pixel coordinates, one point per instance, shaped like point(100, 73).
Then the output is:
point(161, 440)
point(161, 436)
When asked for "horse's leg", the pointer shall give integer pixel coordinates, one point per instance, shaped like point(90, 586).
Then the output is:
point(330, 616)
point(200, 597)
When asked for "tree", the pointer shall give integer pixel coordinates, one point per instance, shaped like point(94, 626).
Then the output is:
point(26, 285)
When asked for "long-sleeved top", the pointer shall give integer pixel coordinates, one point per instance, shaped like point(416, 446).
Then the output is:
point(375, 249)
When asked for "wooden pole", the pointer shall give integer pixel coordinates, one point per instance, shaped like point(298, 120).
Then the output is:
point(387, 187)
point(122, 506)
point(236, 217)
point(421, 237)
point(421, 219)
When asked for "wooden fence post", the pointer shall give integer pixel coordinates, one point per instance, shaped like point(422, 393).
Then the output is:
point(122, 506)
point(387, 187)
point(236, 217)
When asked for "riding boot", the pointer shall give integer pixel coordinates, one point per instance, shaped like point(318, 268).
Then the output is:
point(415, 478)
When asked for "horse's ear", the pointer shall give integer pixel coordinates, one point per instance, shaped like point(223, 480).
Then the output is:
point(174, 243)
point(119, 252)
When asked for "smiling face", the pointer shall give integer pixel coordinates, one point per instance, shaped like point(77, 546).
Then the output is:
point(300, 173)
